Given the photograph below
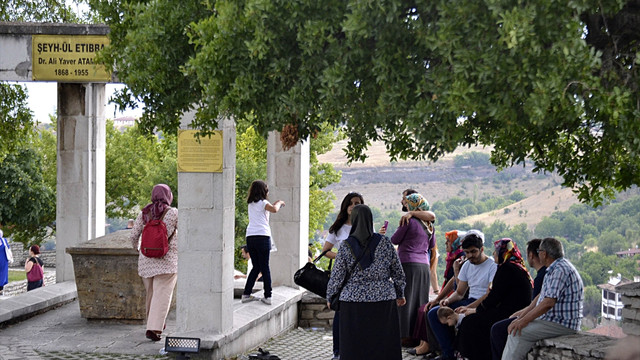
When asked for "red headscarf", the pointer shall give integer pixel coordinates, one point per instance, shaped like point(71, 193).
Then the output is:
point(508, 251)
point(161, 198)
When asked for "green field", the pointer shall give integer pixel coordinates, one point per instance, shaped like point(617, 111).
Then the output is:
point(17, 275)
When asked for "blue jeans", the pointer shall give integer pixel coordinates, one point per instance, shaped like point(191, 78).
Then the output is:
point(259, 248)
point(442, 331)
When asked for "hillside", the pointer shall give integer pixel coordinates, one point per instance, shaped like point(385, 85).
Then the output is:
point(381, 183)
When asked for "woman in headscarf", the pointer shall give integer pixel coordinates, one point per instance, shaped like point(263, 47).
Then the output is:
point(414, 241)
point(339, 232)
point(159, 275)
point(369, 325)
point(454, 251)
point(509, 292)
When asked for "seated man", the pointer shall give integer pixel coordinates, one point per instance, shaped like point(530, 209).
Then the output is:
point(556, 311)
point(475, 274)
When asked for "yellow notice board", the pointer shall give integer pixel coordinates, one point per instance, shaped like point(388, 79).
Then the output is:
point(68, 58)
point(199, 155)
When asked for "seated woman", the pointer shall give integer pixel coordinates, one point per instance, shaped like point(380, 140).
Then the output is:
point(509, 292)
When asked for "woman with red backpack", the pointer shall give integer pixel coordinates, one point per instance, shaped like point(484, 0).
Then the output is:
point(158, 271)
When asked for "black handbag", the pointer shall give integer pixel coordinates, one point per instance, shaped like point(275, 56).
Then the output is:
point(312, 278)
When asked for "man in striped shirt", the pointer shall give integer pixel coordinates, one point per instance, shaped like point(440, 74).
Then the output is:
point(556, 311)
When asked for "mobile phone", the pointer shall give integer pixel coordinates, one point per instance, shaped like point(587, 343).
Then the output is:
point(386, 223)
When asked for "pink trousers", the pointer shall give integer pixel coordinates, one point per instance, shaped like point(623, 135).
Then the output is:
point(159, 292)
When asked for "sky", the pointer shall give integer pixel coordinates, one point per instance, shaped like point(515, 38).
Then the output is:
point(43, 101)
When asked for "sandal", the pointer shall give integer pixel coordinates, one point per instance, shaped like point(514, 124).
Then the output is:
point(263, 355)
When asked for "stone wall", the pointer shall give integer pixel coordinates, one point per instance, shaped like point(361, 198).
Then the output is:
point(17, 287)
point(314, 313)
point(21, 255)
point(583, 346)
point(631, 311)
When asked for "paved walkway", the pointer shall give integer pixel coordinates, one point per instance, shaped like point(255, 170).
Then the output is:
point(62, 334)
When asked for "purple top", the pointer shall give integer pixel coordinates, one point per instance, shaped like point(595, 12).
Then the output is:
point(413, 243)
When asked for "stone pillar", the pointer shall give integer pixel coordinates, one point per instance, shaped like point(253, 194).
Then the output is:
point(631, 311)
point(288, 179)
point(206, 242)
point(80, 209)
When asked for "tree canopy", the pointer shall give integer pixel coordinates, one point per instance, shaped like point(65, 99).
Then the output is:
point(553, 81)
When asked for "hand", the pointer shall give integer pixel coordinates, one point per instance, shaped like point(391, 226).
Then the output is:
point(328, 305)
point(444, 302)
point(404, 220)
point(516, 326)
point(382, 231)
point(516, 314)
point(281, 203)
point(430, 304)
point(461, 309)
point(468, 311)
point(458, 264)
point(401, 301)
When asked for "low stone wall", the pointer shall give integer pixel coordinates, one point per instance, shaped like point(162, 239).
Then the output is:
point(583, 346)
point(18, 287)
point(314, 313)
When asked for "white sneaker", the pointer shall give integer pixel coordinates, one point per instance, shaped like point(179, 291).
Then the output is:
point(248, 298)
point(266, 300)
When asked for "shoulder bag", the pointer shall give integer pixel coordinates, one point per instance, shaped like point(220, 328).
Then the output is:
point(312, 278)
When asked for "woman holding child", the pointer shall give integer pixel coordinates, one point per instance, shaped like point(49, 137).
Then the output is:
point(509, 292)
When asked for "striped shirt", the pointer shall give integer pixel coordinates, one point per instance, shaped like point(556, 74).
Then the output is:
point(563, 283)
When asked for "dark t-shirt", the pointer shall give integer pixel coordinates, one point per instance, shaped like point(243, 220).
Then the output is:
point(36, 259)
point(537, 282)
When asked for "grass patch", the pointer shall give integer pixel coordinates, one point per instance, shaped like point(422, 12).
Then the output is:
point(17, 275)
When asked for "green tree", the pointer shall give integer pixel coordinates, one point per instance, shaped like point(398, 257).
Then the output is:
point(27, 204)
point(135, 163)
point(592, 301)
point(423, 77)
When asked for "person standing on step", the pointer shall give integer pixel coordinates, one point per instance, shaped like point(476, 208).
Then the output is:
point(259, 241)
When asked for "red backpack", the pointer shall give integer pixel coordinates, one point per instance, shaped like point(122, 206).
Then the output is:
point(155, 242)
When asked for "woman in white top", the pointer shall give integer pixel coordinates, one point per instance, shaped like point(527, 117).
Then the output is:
point(338, 232)
point(259, 239)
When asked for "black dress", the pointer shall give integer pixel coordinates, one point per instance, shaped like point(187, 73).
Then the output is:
point(511, 291)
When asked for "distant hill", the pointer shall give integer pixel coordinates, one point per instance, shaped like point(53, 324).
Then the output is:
point(381, 183)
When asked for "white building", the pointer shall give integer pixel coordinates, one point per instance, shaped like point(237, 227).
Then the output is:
point(612, 301)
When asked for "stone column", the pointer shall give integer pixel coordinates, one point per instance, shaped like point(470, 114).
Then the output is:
point(80, 209)
point(206, 242)
point(288, 179)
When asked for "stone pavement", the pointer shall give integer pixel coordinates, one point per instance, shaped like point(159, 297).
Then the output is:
point(62, 334)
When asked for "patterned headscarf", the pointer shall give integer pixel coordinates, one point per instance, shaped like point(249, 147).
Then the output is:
point(161, 198)
point(508, 251)
point(418, 202)
point(454, 238)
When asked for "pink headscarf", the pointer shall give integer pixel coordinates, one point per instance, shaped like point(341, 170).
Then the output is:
point(161, 198)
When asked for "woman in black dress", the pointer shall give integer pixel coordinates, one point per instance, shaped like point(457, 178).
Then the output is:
point(510, 291)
